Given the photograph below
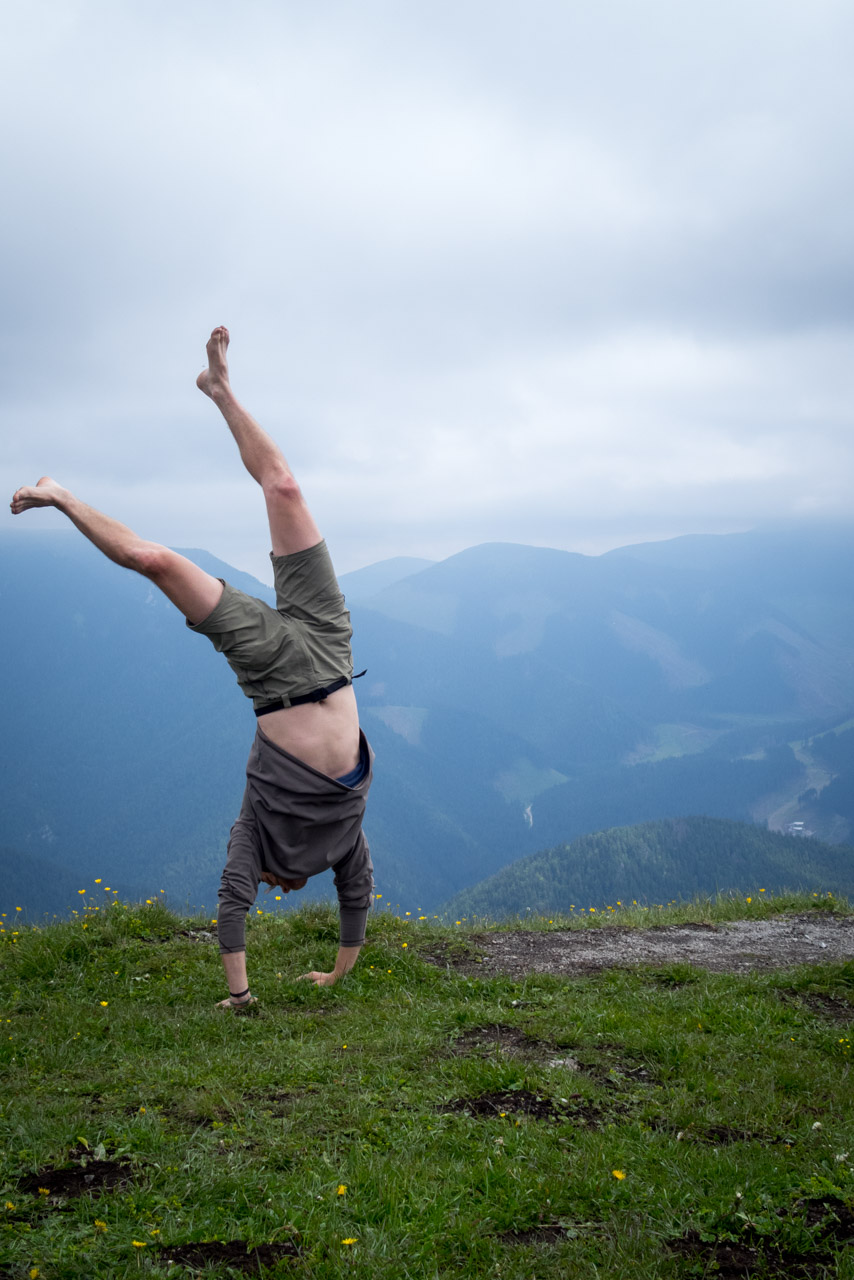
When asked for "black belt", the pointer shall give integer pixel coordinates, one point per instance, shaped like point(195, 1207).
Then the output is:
point(316, 695)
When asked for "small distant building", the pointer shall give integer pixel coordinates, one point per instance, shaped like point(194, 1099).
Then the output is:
point(796, 829)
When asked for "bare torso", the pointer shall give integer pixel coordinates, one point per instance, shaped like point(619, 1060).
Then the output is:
point(323, 734)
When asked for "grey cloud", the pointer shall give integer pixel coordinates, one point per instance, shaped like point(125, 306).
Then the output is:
point(487, 267)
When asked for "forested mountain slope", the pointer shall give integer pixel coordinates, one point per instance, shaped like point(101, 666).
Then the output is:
point(656, 862)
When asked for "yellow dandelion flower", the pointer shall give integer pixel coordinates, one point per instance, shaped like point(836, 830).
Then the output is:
point(104, 1004)
point(44, 1191)
point(138, 1244)
point(618, 1174)
point(79, 891)
point(142, 1111)
point(748, 899)
point(404, 944)
point(9, 1205)
point(350, 1240)
point(98, 881)
point(342, 1190)
point(34, 1273)
point(100, 1225)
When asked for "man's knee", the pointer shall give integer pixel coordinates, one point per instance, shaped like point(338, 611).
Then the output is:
point(281, 487)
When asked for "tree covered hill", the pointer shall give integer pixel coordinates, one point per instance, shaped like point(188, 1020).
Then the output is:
point(656, 862)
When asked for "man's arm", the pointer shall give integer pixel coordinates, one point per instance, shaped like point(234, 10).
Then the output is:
point(344, 961)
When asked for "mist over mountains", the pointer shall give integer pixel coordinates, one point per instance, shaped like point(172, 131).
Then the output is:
point(516, 697)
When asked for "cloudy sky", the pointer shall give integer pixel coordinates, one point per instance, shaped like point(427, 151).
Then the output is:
point(567, 272)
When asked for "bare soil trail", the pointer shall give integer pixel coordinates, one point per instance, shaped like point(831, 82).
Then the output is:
point(741, 946)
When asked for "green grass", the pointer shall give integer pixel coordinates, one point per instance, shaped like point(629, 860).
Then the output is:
point(726, 1102)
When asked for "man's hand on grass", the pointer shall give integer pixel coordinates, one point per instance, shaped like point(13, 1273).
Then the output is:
point(319, 979)
point(344, 962)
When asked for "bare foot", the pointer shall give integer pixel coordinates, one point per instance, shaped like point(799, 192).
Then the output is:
point(215, 378)
point(47, 493)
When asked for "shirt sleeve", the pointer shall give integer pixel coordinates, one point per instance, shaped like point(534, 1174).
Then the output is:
point(354, 881)
point(352, 923)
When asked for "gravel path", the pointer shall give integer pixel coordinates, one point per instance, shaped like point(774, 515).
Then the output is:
point(743, 946)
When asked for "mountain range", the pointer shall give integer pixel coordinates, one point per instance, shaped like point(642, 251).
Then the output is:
point(517, 698)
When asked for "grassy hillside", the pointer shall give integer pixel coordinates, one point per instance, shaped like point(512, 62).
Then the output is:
point(413, 1121)
point(655, 861)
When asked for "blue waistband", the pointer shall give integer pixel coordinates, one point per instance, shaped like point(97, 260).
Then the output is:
point(355, 776)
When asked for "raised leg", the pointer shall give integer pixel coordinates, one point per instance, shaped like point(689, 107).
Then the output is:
point(292, 526)
point(195, 592)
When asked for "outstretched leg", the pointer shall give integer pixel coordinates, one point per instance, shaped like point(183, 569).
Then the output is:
point(292, 526)
point(195, 592)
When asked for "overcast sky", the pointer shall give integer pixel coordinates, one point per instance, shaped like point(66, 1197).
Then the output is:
point(567, 272)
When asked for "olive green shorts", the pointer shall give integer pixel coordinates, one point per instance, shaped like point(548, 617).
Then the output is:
point(301, 645)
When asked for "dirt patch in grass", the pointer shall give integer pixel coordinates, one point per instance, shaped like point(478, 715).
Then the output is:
point(618, 1075)
point(240, 1256)
point(455, 953)
point(835, 1216)
point(732, 1260)
point(575, 1109)
point(497, 1037)
point(84, 1177)
point(276, 1103)
point(830, 1222)
point(832, 1007)
point(514, 1042)
point(742, 946)
point(722, 1135)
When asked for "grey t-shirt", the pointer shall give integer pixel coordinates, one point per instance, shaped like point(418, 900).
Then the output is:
point(295, 822)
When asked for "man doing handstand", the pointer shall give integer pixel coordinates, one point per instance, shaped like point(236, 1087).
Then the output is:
point(309, 768)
